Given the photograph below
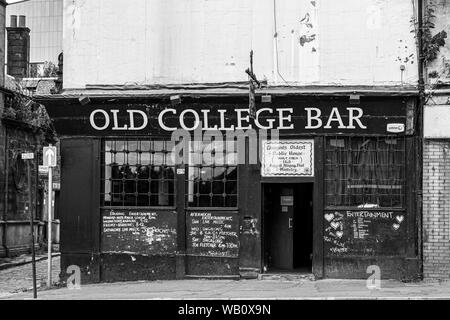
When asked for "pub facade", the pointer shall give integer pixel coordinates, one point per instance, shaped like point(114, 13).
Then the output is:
point(321, 184)
point(321, 174)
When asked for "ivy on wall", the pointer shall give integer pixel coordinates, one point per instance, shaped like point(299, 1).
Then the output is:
point(20, 108)
point(431, 44)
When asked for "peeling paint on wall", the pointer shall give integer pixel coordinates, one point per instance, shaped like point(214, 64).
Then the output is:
point(196, 41)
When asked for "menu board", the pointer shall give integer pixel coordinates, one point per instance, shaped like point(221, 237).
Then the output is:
point(139, 231)
point(287, 158)
point(213, 234)
point(363, 232)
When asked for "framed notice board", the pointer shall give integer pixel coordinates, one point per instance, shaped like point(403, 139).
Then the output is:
point(287, 158)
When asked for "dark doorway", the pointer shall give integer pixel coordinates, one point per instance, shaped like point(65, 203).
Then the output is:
point(288, 227)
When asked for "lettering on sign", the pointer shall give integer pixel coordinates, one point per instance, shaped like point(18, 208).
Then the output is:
point(139, 231)
point(27, 156)
point(308, 115)
point(288, 158)
point(213, 234)
point(287, 200)
point(364, 232)
point(207, 119)
point(395, 127)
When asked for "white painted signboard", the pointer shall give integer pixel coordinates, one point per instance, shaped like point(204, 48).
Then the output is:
point(49, 154)
point(27, 156)
point(287, 158)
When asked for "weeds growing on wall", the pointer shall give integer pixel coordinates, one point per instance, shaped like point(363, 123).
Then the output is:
point(431, 43)
point(22, 109)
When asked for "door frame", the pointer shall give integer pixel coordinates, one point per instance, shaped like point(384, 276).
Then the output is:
point(317, 261)
point(318, 207)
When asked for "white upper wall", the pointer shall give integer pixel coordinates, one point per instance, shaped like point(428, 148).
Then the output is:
point(357, 42)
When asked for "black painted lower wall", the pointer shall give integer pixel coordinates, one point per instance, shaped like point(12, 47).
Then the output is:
point(128, 267)
point(119, 267)
point(211, 266)
point(398, 268)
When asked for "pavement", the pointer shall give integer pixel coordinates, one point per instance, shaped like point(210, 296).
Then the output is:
point(302, 289)
point(6, 263)
point(16, 274)
point(16, 284)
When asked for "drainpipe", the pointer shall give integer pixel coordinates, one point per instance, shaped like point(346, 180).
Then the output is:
point(420, 9)
point(5, 201)
point(420, 139)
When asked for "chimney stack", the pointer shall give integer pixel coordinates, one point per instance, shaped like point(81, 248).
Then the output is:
point(14, 21)
point(18, 48)
point(22, 22)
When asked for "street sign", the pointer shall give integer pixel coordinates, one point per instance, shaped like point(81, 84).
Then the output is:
point(49, 155)
point(28, 156)
point(43, 170)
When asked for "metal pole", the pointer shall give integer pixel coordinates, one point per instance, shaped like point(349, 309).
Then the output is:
point(33, 254)
point(49, 232)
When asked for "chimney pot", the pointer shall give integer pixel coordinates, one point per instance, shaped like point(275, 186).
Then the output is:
point(22, 21)
point(13, 21)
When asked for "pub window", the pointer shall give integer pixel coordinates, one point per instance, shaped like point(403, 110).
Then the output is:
point(138, 173)
point(365, 172)
point(213, 175)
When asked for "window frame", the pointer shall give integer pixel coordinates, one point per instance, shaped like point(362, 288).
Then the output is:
point(213, 208)
point(404, 183)
point(103, 142)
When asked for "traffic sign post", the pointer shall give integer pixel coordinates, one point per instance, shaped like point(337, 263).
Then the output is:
point(49, 160)
point(30, 156)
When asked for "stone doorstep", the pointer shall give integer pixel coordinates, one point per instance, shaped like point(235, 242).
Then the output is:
point(286, 276)
point(212, 277)
point(27, 260)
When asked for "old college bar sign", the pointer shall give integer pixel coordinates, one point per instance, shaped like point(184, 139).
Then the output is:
point(292, 116)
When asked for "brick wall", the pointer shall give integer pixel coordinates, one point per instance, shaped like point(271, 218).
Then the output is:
point(20, 140)
point(436, 210)
point(18, 51)
point(16, 231)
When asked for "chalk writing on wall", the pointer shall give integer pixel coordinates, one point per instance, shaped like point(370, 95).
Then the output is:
point(213, 234)
point(139, 231)
point(353, 232)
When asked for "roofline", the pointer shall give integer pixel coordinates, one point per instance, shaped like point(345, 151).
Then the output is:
point(114, 93)
point(10, 4)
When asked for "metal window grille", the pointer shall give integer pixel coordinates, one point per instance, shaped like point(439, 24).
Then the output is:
point(138, 173)
point(365, 172)
point(212, 176)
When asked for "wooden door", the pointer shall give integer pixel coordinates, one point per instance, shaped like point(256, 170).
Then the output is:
point(282, 229)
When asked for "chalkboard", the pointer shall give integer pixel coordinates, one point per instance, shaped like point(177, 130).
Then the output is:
point(139, 231)
point(213, 234)
point(363, 232)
